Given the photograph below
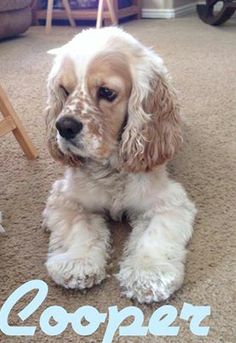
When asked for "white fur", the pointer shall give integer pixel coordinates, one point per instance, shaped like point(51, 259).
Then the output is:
point(158, 209)
point(161, 216)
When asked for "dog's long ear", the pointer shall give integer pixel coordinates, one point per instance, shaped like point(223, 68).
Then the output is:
point(152, 134)
point(55, 102)
point(58, 51)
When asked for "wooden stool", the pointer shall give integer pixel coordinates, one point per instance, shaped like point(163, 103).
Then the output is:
point(49, 14)
point(111, 10)
point(101, 13)
point(11, 122)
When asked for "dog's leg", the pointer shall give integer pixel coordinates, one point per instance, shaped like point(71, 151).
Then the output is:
point(79, 242)
point(153, 264)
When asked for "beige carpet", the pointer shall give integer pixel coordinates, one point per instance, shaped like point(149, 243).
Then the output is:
point(202, 62)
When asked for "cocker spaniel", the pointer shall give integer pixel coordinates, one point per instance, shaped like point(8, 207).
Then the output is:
point(113, 120)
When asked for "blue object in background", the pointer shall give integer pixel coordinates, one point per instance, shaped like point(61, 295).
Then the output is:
point(77, 4)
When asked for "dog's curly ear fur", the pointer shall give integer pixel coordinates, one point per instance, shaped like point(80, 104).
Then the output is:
point(152, 134)
point(56, 101)
point(54, 106)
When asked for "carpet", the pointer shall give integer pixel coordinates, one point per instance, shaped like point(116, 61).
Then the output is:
point(201, 60)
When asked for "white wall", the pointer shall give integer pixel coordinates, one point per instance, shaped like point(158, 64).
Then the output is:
point(157, 4)
point(167, 8)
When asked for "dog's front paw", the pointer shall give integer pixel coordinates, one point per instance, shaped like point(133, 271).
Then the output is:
point(152, 283)
point(74, 273)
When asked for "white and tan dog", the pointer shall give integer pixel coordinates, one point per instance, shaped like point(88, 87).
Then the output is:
point(113, 120)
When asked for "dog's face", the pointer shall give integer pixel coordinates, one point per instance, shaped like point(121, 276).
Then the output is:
point(111, 98)
point(90, 122)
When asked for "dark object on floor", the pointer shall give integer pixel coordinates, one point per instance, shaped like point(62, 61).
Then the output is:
point(210, 15)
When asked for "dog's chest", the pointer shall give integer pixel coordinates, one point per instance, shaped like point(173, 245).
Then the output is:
point(122, 193)
point(115, 192)
point(110, 193)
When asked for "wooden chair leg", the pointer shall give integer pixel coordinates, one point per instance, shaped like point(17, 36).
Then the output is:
point(111, 10)
point(100, 14)
point(68, 12)
point(49, 16)
point(116, 9)
point(11, 122)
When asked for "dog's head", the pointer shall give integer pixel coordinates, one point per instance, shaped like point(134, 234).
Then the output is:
point(110, 96)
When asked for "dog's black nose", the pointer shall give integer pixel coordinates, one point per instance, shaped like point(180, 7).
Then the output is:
point(68, 127)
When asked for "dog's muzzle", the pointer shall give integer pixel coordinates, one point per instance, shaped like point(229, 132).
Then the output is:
point(68, 127)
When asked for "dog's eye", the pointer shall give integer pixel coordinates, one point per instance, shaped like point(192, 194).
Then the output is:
point(65, 91)
point(106, 94)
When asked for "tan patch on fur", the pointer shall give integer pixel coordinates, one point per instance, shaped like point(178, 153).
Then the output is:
point(102, 120)
point(57, 99)
point(109, 70)
point(157, 140)
point(106, 65)
point(67, 76)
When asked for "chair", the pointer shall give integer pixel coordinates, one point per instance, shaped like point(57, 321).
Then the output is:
point(11, 123)
point(107, 12)
point(49, 14)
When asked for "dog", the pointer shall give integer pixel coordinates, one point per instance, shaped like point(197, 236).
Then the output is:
point(114, 121)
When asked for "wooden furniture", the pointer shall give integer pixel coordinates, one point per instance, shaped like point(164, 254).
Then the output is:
point(92, 14)
point(11, 123)
point(50, 11)
point(209, 14)
point(111, 10)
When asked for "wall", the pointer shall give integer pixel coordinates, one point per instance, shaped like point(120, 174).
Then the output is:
point(167, 8)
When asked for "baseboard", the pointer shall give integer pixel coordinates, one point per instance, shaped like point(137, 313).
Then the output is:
point(168, 13)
